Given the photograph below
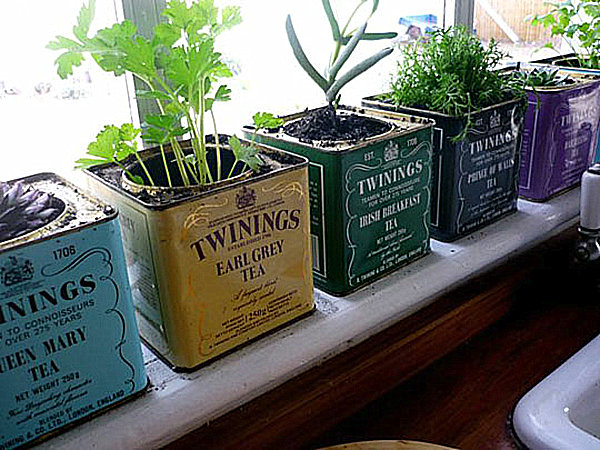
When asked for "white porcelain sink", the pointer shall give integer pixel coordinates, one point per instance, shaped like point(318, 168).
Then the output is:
point(563, 410)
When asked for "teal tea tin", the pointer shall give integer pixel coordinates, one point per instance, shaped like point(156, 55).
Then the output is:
point(69, 346)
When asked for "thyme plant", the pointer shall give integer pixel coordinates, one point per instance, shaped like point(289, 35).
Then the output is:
point(182, 73)
point(578, 21)
point(345, 41)
point(452, 73)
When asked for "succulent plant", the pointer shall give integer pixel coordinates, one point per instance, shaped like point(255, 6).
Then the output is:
point(24, 209)
point(345, 44)
point(543, 77)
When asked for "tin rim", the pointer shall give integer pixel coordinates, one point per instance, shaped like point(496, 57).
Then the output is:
point(580, 80)
point(345, 112)
point(401, 124)
point(156, 191)
point(374, 102)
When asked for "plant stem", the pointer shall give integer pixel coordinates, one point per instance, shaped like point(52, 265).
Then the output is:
point(177, 152)
point(338, 46)
point(352, 17)
point(203, 160)
point(124, 169)
point(217, 144)
point(164, 158)
point(232, 168)
point(137, 156)
point(182, 162)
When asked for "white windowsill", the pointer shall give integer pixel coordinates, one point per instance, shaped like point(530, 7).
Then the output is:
point(179, 403)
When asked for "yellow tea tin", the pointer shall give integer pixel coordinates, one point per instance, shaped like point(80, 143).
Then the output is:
point(214, 269)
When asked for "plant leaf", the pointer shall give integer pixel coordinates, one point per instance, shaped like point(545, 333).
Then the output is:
point(335, 28)
point(66, 62)
point(379, 36)
point(333, 91)
point(166, 34)
point(247, 154)
point(63, 43)
point(230, 16)
point(223, 94)
point(86, 163)
point(265, 120)
point(346, 52)
point(154, 95)
point(375, 6)
point(84, 19)
point(301, 56)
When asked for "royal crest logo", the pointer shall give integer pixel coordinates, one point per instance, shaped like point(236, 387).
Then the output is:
point(495, 121)
point(16, 270)
point(391, 152)
point(245, 197)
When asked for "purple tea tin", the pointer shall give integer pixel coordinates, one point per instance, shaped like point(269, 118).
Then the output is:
point(559, 136)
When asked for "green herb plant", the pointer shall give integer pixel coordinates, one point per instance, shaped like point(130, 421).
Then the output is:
point(345, 40)
point(452, 72)
point(181, 71)
point(578, 21)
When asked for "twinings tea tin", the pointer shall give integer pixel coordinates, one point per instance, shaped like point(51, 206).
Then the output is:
point(369, 198)
point(215, 268)
point(475, 178)
point(559, 136)
point(68, 340)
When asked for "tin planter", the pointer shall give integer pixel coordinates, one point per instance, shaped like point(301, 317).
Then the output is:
point(475, 180)
point(559, 137)
point(69, 346)
point(212, 268)
point(570, 63)
point(369, 199)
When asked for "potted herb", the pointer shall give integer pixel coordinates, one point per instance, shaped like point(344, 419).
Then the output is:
point(68, 336)
point(478, 114)
point(215, 228)
point(369, 170)
point(560, 128)
point(578, 23)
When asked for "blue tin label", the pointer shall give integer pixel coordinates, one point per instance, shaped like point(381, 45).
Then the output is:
point(68, 340)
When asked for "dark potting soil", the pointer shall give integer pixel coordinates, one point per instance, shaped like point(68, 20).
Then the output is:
point(324, 124)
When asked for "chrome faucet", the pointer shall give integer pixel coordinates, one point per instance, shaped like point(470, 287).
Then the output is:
point(588, 244)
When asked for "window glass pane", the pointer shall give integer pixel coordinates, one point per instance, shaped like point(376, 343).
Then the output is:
point(506, 22)
point(47, 122)
point(270, 79)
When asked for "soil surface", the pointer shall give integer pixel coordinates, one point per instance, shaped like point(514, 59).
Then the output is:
point(111, 174)
point(324, 124)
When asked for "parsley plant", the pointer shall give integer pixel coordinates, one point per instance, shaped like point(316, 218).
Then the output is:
point(182, 73)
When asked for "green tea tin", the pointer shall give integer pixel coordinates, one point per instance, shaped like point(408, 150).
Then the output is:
point(475, 172)
point(369, 199)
